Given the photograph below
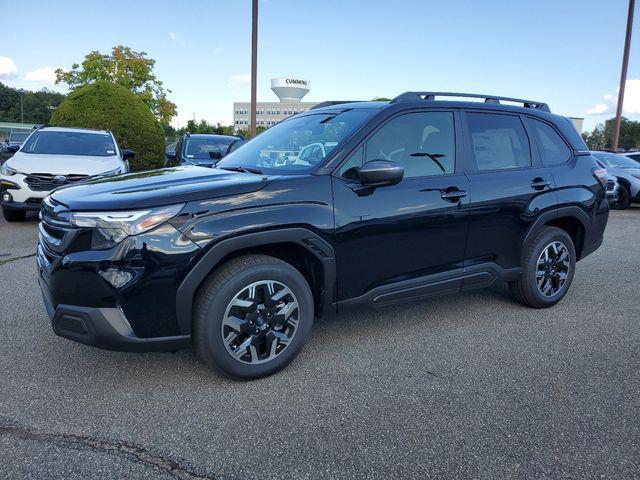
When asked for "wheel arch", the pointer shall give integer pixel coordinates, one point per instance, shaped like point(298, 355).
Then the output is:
point(572, 220)
point(302, 248)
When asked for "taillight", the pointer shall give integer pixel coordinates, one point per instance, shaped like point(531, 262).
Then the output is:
point(601, 175)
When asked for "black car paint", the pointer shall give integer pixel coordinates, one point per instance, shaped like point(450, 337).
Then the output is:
point(389, 244)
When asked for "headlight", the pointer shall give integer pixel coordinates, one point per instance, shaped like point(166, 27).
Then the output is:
point(116, 226)
point(8, 171)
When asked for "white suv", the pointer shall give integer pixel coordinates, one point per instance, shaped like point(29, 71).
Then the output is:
point(52, 157)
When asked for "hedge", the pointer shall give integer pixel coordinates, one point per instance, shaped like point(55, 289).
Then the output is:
point(107, 106)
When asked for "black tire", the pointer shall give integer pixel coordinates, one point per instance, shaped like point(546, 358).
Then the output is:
point(221, 288)
point(14, 215)
point(624, 198)
point(525, 290)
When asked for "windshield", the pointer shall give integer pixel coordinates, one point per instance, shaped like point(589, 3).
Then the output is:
point(298, 144)
point(70, 143)
point(18, 137)
point(201, 148)
point(613, 160)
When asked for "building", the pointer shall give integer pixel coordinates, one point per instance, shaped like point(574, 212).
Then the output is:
point(577, 121)
point(290, 92)
point(7, 128)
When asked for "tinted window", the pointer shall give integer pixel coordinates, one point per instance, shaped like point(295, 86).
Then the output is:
point(552, 148)
point(423, 143)
point(207, 147)
point(498, 141)
point(70, 143)
point(616, 161)
point(351, 169)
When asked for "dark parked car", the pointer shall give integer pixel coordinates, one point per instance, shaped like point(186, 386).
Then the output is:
point(632, 155)
point(201, 149)
point(11, 145)
point(416, 197)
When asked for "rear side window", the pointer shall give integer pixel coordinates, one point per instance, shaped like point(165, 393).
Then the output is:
point(498, 141)
point(553, 149)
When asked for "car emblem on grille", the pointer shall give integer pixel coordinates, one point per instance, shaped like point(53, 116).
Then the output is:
point(59, 179)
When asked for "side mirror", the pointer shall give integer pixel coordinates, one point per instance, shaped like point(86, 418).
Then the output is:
point(377, 173)
point(128, 154)
point(13, 148)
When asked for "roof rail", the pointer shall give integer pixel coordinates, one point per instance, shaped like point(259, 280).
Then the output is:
point(430, 96)
point(333, 102)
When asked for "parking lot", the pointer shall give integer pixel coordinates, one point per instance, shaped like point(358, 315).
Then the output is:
point(469, 386)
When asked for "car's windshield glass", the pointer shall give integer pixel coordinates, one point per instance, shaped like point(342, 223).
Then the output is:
point(18, 137)
point(207, 147)
point(613, 160)
point(298, 144)
point(70, 143)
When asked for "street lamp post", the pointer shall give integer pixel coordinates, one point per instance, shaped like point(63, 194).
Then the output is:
point(623, 75)
point(254, 63)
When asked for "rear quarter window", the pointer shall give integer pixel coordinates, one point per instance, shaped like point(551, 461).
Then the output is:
point(553, 149)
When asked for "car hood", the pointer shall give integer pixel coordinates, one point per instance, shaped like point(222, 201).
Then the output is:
point(157, 187)
point(63, 164)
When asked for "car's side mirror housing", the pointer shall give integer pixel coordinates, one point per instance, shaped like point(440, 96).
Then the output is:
point(128, 154)
point(378, 173)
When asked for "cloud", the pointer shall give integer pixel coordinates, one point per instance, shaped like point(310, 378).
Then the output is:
point(631, 105)
point(598, 109)
point(8, 67)
point(240, 79)
point(173, 35)
point(43, 75)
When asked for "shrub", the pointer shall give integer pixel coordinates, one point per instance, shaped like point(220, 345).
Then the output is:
point(107, 106)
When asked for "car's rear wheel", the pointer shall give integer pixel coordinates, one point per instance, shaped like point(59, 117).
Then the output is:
point(13, 215)
point(253, 316)
point(624, 198)
point(548, 269)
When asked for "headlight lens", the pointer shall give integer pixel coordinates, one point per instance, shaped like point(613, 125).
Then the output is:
point(116, 226)
point(115, 171)
point(8, 171)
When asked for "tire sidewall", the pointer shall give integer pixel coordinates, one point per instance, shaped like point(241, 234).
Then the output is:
point(624, 199)
point(215, 347)
point(541, 244)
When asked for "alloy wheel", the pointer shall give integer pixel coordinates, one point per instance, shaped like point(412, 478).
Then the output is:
point(552, 269)
point(260, 322)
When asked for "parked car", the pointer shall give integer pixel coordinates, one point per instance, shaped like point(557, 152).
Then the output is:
point(11, 145)
point(627, 172)
point(202, 149)
point(632, 155)
point(612, 189)
point(418, 197)
point(53, 157)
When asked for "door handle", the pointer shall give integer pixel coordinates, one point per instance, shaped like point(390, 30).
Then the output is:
point(452, 194)
point(539, 183)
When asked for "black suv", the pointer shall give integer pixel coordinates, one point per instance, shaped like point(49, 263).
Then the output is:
point(204, 150)
point(401, 200)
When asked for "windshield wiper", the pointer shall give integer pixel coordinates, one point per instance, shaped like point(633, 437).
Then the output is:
point(238, 168)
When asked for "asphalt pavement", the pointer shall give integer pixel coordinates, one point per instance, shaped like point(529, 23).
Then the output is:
point(466, 386)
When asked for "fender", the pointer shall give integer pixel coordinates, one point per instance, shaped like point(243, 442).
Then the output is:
point(318, 247)
point(561, 212)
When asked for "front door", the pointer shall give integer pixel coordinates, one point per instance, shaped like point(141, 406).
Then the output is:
point(404, 234)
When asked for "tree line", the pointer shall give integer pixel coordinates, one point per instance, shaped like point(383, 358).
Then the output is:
point(23, 106)
point(601, 137)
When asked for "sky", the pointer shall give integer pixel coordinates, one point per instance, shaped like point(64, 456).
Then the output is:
point(566, 53)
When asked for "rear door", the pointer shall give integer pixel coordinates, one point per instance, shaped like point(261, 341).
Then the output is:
point(508, 185)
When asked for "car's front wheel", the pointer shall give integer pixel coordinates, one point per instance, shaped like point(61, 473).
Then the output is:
point(13, 215)
point(548, 269)
point(253, 315)
point(624, 198)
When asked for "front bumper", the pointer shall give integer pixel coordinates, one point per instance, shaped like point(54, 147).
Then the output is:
point(106, 328)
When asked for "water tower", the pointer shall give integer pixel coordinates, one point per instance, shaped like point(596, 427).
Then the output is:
point(289, 89)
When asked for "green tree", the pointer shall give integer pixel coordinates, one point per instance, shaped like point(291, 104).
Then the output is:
point(127, 68)
point(104, 105)
point(601, 137)
point(35, 107)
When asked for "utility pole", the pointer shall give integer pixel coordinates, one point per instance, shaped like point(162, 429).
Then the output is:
point(21, 108)
point(623, 75)
point(254, 64)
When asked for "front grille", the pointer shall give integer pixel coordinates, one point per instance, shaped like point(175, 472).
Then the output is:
point(44, 182)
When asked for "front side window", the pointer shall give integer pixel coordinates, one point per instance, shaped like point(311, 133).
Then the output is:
point(298, 144)
point(423, 143)
point(45, 142)
point(553, 149)
point(498, 141)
